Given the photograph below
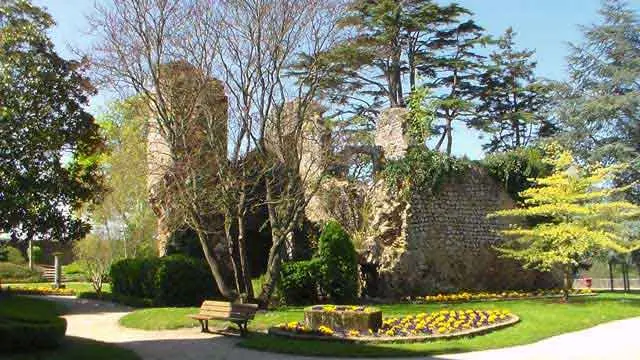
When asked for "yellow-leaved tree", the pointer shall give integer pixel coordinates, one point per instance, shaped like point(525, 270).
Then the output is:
point(578, 213)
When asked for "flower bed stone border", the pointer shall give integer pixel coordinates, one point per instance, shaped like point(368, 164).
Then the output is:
point(275, 331)
point(422, 302)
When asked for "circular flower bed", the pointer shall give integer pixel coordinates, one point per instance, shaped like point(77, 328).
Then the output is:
point(359, 318)
point(420, 327)
point(505, 295)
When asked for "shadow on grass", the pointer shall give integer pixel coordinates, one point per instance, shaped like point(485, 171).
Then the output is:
point(75, 348)
point(71, 305)
point(318, 348)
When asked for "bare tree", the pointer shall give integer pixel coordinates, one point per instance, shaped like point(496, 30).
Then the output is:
point(169, 52)
point(260, 42)
point(163, 51)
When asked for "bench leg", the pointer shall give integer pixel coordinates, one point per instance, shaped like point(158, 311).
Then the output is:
point(204, 325)
point(243, 328)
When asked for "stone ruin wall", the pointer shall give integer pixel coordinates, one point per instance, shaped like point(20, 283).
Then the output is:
point(213, 102)
point(441, 241)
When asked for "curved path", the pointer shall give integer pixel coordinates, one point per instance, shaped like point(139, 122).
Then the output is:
point(98, 320)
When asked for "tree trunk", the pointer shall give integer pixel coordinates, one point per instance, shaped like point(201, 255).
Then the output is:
point(449, 137)
point(276, 253)
point(611, 275)
point(567, 284)
point(30, 254)
point(244, 264)
point(214, 266)
point(230, 249)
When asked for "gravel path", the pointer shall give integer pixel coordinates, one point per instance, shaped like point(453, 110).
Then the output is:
point(99, 321)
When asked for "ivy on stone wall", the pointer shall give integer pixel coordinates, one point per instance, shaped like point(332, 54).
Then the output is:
point(516, 169)
point(422, 169)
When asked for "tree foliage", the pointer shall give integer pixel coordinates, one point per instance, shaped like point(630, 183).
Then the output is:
point(95, 256)
point(584, 217)
point(600, 110)
point(49, 145)
point(512, 103)
point(124, 212)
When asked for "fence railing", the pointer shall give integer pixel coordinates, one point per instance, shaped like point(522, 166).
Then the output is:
point(605, 283)
point(49, 273)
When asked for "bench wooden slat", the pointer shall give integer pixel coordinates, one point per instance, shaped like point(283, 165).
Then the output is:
point(220, 310)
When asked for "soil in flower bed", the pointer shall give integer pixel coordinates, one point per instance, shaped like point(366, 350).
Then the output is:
point(420, 327)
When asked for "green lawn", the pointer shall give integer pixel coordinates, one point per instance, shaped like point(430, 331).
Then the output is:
point(539, 319)
point(29, 308)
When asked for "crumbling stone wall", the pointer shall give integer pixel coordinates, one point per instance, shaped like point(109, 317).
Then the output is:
point(442, 241)
point(181, 82)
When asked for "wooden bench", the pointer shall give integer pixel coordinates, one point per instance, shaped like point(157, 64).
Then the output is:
point(239, 314)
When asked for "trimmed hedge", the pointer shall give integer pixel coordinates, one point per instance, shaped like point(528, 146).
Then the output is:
point(299, 282)
point(27, 335)
point(174, 280)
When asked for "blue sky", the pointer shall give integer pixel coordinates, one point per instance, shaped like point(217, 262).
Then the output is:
point(542, 25)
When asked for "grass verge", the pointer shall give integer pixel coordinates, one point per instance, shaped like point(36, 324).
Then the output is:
point(540, 319)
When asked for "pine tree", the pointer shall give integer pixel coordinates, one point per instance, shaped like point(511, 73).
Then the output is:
point(388, 48)
point(513, 104)
point(600, 112)
point(454, 65)
point(583, 216)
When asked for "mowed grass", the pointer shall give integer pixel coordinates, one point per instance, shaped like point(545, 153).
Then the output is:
point(540, 319)
point(72, 348)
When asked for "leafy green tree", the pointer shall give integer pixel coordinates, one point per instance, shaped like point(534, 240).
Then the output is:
point(584, 217)
point(95, 256)
point(513, 103)
point(124, 212)
point(600, 111)
point(49, 145)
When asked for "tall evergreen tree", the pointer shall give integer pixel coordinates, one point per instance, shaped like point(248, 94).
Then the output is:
point(386, 48)
point(513, 104)
point(49, 145)
point(600, 113)
point(455, 66)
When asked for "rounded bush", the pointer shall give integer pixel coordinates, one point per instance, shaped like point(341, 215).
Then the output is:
point(338, 270)
point(299, 282)
point(16, 334)
point(12, 255)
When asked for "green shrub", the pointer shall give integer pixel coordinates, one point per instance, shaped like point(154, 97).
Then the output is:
point(27, 323)
point(24, 335)
point(299, 282)
point(11, 273)
point(174, 280)
point(135, 277)
point(515, 169)
point(37, 254)
point(338, 269)
point(11, 255)
point(74, 272)
point(183, 281)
